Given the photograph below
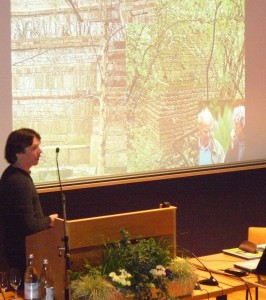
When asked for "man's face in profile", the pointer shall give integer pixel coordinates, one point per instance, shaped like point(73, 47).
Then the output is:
point(205, 134)
point(30, 157)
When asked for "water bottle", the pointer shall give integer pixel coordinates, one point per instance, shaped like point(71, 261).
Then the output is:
point(46, 289)
point(31, 291)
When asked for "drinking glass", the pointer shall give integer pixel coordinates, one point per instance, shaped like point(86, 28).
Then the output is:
point(3, 282)
point(15, 280)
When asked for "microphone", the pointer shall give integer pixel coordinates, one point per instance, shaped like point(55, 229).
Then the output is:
point(208, 281)
point(65, 239)
point(58, 172)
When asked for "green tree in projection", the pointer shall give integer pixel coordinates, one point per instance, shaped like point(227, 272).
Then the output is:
point(151, 52)
point(110, 111)
point(209, 33)
point(231, 75)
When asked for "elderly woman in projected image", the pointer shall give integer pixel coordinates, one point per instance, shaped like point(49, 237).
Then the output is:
point(210, 150)
point(236, 149)
point(20, 209)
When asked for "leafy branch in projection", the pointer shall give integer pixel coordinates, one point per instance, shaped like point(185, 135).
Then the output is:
point(191, 54)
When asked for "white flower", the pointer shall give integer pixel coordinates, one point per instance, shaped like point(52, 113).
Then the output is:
point(159, 271)
point(122, 279)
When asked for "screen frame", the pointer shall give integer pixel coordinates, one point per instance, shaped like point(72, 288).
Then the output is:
point(119, 180)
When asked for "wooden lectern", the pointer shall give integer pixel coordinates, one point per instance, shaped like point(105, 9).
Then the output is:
point(87, 235)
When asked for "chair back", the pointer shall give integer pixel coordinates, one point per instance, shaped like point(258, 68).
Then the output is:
point(257, 235)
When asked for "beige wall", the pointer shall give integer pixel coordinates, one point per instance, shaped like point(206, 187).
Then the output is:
point(5, 75)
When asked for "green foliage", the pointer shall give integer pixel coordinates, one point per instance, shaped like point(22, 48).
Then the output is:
point(133, 267)
point(137, 258)
point(182, 268)
point(144, 155)
point(92, 287)
point(223, 130)
point(158, 64)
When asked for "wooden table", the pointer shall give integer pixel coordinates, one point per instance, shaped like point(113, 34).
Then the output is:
point(10, 295)
point(213, 265)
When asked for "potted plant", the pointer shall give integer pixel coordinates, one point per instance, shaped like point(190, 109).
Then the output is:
point(141, 269)
point(134, 259)
point(182, 277)
point(91, 285)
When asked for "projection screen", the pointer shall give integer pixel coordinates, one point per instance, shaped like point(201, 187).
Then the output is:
point(136, 89)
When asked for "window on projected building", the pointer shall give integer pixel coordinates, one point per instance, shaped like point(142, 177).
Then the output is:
point(131, 87)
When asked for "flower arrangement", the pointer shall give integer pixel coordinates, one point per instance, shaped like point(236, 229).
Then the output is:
point(142, 269)
point(137, 258)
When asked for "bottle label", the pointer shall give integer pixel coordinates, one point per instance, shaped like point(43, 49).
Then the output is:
point(31, 290)
point(49, 293)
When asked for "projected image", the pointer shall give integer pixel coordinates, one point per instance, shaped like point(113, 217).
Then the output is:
point(129, 87)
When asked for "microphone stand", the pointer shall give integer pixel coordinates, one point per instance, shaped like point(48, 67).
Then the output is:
point(211, 281)
point(65, 239)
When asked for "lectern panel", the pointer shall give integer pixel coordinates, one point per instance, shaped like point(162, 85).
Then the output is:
point(86, 237)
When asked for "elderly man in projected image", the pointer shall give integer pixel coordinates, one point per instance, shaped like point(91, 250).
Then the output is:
point(210, 150)
point(236, 149)
point(20, 209)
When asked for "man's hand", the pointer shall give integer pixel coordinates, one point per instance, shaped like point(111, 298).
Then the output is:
point(53, 217)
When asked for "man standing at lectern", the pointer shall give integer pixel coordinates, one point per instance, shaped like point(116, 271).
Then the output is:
point(20, 209)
